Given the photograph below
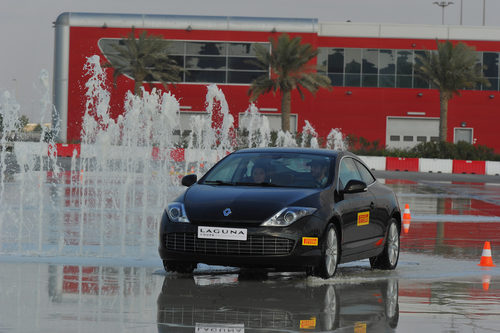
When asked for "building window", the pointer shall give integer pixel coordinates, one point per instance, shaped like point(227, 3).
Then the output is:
point(370, 68)
point(408, 138)
point(387, 68)
point(404, 69)
point(354, 67)
point(490, 71)
point(242, 67)
point(235, 62)
point(331, 63)
point(417, 81)
point(421, 139)
point(206, 62)
point(394, 138)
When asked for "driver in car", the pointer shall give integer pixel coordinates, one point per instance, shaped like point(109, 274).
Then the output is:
point(318, 172)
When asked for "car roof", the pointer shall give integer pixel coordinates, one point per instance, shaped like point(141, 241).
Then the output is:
point(323, 152)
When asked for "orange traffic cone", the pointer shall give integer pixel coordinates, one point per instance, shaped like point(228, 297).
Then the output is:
point(406, 219)
point(406, 213)
point(486, 260)
point(486, 282)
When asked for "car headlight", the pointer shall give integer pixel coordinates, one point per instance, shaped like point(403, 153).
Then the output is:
point(287, 216)
point(177, 213)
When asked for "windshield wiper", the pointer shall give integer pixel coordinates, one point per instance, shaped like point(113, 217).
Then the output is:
point(256, 184)
point(217, 182)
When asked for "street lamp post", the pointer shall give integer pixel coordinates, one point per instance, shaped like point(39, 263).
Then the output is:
point(461, 10)
point(484, 12)
point(443, 4)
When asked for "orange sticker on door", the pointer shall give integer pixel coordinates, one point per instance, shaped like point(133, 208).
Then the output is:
point(363, 218)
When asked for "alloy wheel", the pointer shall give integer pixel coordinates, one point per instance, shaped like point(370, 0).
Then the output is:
point(393, 244)
point(331, 252)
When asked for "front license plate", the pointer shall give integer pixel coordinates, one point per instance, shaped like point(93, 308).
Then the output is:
point(219, 328)
point(222, 233)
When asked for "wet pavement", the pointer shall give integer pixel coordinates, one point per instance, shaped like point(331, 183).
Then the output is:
point(437, 286)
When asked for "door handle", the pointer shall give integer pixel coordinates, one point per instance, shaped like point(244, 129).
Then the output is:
point(372, 205)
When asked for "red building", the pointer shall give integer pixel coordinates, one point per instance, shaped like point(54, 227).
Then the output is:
point(375, 95)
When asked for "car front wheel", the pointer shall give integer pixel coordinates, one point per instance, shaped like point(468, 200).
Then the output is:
point(388, 259)
point(330, 254)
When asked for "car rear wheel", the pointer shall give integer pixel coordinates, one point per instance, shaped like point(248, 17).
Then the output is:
point(388, 259)
point(330, 251)
point(178, 267)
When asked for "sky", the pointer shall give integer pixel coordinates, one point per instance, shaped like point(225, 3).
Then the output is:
point(27, 35)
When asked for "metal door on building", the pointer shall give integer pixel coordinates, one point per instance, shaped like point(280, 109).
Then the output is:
point(407, 132)
point(463, 134)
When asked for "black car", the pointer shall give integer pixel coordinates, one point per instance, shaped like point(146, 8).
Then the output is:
point(283, 208)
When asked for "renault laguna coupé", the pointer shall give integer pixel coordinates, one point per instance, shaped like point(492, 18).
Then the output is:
point(285, 209)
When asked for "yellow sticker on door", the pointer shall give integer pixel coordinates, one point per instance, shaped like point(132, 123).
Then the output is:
point(310, 241)
point(363, 218)
point(308, 324)
point(360, 327)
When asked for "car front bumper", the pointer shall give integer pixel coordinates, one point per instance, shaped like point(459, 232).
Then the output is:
point(268, 247)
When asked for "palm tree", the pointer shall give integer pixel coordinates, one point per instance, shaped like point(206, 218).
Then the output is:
point(144, 59)
point(289, 63)
point(450, 69)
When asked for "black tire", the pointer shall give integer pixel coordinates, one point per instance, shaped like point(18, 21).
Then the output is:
point(330, 254)
point(178, 267)
point(389, 257)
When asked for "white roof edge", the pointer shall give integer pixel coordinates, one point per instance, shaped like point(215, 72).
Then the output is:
point(154, 21)
point(306, 25)
point(420, 31)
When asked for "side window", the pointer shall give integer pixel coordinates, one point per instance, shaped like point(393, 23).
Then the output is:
point(366, 175)
point(348, 171)
point(227, 172)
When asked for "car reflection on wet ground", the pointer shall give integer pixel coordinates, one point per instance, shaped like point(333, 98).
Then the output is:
point(279, 302)
point(437, 286)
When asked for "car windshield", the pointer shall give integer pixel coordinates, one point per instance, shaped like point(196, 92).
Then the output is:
point(272, 169)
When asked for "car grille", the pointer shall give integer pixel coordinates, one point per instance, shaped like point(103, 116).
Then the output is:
point(254, 245)
point(251, 318)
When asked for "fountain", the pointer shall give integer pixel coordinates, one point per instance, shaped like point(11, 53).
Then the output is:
point(107, 201)
point(336, 140)
point(309, 136)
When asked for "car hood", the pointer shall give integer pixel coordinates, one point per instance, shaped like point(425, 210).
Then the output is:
point(207, 203)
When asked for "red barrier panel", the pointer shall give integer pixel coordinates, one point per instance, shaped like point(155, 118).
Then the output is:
point(401, 164)
point(475, 167)
point(66, 149)
point(177, 154)
point(155, 153)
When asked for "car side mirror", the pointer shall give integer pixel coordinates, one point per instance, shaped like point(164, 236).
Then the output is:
point(355, 186)
point(189, 180)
